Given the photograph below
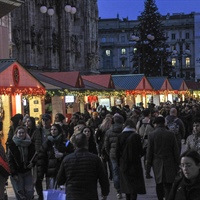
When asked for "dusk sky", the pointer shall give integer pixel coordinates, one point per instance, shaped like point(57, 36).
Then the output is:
point(133, 8)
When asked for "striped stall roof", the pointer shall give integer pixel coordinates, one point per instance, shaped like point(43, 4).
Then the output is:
point(159, 83)
point(178, 84)
point(127, 82)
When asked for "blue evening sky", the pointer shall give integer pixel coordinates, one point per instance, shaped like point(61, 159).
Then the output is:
point(133, 8)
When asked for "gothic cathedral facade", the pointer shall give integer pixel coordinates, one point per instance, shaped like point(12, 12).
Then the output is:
point(59, 42)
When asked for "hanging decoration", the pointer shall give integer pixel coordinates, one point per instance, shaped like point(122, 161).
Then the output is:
point(32, 91)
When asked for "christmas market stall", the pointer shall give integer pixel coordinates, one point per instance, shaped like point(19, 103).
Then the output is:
point(20, 92)
point(163, 89)
point(194, 89)
point(63, 91)
point(137, 88)
point(100, 91)
point(180, 89)
point(69, 92)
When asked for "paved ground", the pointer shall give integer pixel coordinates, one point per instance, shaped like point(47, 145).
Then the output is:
point(150, 187)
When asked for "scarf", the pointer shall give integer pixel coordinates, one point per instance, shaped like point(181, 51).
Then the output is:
point(23, 145)
point(54, 139)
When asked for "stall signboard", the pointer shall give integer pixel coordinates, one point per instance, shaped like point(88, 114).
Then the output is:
point(69, 99)
point(104, 102)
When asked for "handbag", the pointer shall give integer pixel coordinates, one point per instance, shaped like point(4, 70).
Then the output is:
point(4, 168)
point(53, 194)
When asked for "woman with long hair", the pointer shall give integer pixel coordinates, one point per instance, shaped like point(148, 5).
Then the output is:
point(21, 152)
point(99, 137)
point(51, 154)
point(88, 131)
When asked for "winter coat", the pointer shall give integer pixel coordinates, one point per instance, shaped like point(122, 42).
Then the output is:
point(183, 189)
point(47, 163)
point(110, 141)
point(80, 171)
point(181, 135)
point(129, 152)
point(163, 154)
point(14, 158)
point(193, 142)
point(39, 137)
point(94, 123)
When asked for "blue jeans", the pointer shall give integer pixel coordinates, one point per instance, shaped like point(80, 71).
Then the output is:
point(23, 187)
point(115, 171)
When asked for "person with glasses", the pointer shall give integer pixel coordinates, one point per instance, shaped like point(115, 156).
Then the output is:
point(187, 185)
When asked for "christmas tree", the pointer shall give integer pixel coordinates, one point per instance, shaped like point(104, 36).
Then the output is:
point(151, 54)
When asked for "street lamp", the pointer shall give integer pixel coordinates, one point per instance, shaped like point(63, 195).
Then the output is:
point(161, 52)
point(181, 54)
point(51, 7)
point(136, 40)
point(50, 10)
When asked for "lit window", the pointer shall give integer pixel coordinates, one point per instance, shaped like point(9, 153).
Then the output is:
point(174, 62)
point(123, 51)
point(134, 50)
point(187, 61)
point(108, 52)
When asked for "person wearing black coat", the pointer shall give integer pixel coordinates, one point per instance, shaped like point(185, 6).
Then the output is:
point(21, 153)
point(163, 157)
point(110, 147)
point(80, 171)
point(129, 152)
point(187, 185)
point(51, 154)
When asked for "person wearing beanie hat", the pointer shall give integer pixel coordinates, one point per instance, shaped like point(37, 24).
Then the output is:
point(118, 119)
point(110, 143)
point(163, 157)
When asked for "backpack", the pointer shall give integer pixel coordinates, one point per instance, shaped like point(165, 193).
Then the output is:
point(144, 128)
point(173, 126)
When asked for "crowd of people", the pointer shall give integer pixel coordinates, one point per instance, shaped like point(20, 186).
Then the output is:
point(124, 145)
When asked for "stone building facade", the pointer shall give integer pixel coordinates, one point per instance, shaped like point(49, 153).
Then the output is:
point(61, 42)
point(182, 31)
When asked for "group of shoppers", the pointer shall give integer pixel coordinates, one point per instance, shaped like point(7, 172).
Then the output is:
point(105, 146)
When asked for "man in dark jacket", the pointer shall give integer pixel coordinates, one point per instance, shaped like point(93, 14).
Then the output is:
point(163, 156)
point(110, 144)
point(80, 171)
